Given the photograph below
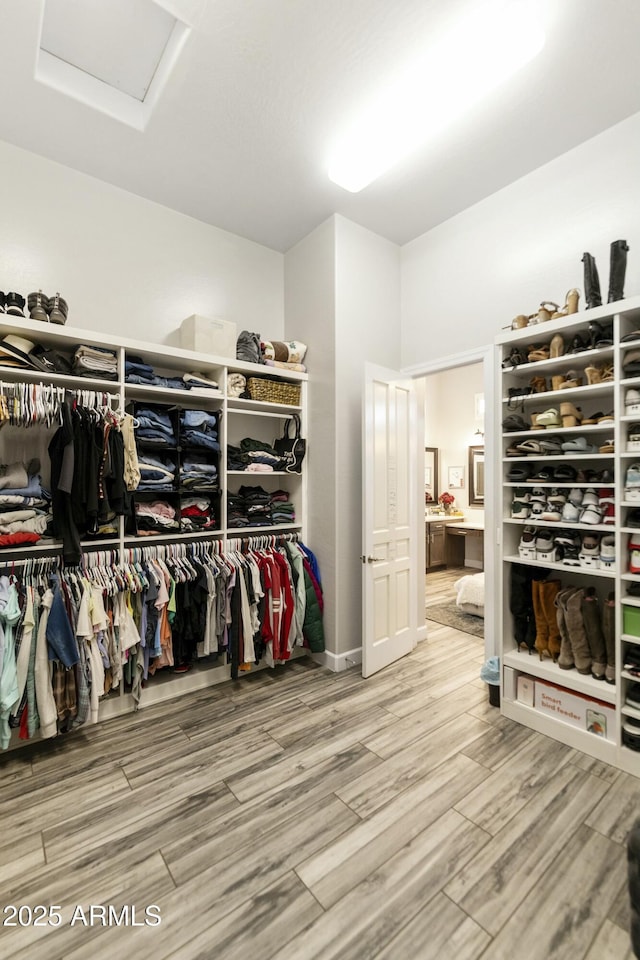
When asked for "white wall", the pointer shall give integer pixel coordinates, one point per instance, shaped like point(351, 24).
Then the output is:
point(125, 264)
point(467, 278)
point(367, 329)
point(342, 297)
point(450, 425)
point(309, 273)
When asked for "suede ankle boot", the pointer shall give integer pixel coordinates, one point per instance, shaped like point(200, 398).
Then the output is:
point(577, 633)
point(609, 631)
point(592, 618)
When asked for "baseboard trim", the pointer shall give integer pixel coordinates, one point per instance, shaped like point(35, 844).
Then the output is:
point(421, 633)
point(476, 564)
point(337, 662)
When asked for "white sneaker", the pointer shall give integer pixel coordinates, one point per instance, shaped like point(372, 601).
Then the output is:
point(527, 546)
point(545, 548)
point(608, 551)
point(632, 401)
point(571, 512)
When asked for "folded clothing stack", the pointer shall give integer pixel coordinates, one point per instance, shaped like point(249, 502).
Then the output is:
point(137, 371)
point(25, 506)
point(197, 473)
point(154, 425)
point(156, 473)
point(199, 429)
point(281, 510)
point(95, 362)
point(156, 516)
point(288, 355)
point(254, 456)
point(250, 507)
point(236, 384)
point(197, 513)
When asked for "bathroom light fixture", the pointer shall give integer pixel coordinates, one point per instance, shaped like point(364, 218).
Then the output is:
point(482, 51)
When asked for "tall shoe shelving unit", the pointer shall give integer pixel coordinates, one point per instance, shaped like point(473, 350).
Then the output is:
point(238, 418)
point(605, 397)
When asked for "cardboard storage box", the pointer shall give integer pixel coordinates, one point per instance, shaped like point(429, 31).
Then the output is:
point(631, 620)
point(581, 711)
point(209, 335)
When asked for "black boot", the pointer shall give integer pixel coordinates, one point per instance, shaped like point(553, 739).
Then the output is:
point(591, 282)
point(617, 270)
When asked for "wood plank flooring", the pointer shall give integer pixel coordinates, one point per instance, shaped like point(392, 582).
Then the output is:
point(304, 815)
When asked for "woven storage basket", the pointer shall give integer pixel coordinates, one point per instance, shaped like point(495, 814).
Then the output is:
point(274, 391)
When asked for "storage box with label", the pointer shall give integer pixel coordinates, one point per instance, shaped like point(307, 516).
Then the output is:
point(210, 335)
point(526, 690)
point(579, 710)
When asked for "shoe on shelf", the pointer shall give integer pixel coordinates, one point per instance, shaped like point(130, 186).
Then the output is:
point(634, 553)
point(514, 423)
point(600, 334)
point(527, 546)
point(607, 447)
point(591, 514)
point(570, 304)
point(543, 475)
point(590, 551)
point(569, 545)
point(538, 384)
point(545, 547)
point(632, 401)
point(564, 473)
point(515, 359)
point(632, 482)
point(517, 473)
point(529, 447)
point(609, 512)
point(538, 351)
point(15, 304)
point(550, 418)
point(578, 344)
point(571, 415)
point(556, 347)
point(38, 305)
point(520, 509)
point(58, 309)
point(571, 512)
point(571, 380)
point(633, 436)
point(577, 445)
point(552, 512)
point(608, 551)
point(551, 444)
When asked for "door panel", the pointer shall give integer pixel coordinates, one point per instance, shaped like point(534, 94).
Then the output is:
point(390, 524)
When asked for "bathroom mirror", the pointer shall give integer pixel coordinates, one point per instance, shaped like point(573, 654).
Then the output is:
point(476, 476)
point(431, 475)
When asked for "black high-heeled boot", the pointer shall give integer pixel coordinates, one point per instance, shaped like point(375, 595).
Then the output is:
point(591, 282)
point(617, 270)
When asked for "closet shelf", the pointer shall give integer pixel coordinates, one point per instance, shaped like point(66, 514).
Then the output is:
point(569, 679)
point(257, 408)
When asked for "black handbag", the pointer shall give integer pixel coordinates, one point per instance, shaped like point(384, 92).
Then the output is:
point(291, 449)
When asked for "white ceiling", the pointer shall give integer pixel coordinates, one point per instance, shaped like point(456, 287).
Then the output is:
point(241, 133)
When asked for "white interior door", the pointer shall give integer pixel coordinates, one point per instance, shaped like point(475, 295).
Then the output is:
point(390, 525)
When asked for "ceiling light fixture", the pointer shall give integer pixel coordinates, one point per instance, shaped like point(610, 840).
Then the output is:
point(486, 48)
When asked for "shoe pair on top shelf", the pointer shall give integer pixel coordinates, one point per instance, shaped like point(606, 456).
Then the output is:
point(48, 309)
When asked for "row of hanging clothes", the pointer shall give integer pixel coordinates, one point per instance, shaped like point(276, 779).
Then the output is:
point(93, 467)
point(71, 635)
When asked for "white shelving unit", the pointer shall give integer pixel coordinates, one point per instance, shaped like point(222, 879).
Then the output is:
point(238, 418)
point(605, 397)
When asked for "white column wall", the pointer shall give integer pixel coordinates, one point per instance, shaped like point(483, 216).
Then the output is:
point(468, 277)
point(125, 264)
point(367, 329)
point(309, 273)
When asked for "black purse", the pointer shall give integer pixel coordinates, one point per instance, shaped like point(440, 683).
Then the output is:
point(291, 449)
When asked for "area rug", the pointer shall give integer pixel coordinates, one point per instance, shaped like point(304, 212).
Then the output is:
point(451, 616)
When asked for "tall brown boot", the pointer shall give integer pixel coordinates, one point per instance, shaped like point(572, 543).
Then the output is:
point(565, 660)
point(549, 590)
point(609, 631)
point(542, 627)
point(577, 633)
point(595, 637)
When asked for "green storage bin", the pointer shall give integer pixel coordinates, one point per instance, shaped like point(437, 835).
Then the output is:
point(631, 620)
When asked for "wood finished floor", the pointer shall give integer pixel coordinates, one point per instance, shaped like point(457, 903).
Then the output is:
point(305, 815)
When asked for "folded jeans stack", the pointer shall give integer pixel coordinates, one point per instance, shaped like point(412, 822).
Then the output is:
point(154, 425)
point(197, 473)
point(156, 473)
point(199, 429)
